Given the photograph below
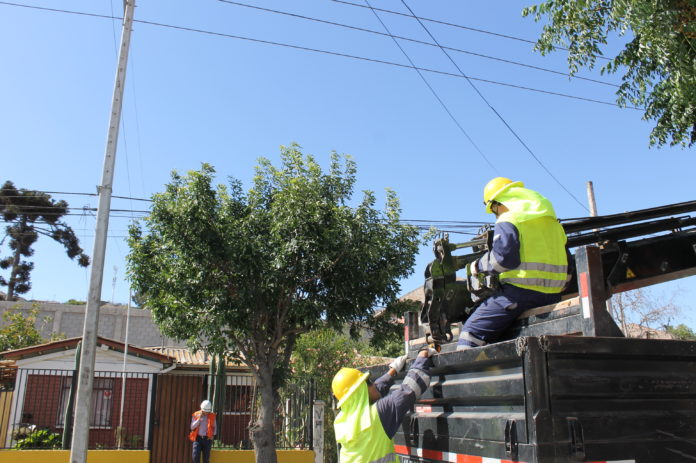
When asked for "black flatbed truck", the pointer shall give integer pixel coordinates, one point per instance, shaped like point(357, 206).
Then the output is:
point(566, 386)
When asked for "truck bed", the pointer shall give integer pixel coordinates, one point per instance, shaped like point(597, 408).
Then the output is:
point(557, 399)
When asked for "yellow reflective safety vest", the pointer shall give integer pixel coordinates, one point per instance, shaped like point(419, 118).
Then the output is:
point(359, 431)
point(544, 263)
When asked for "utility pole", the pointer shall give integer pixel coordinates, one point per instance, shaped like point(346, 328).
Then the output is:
point(591, 199)
point(83, 404)
point(593, 213)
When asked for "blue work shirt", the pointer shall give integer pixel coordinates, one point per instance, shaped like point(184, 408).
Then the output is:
point(394, 405)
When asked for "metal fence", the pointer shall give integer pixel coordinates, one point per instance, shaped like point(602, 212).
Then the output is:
point(293, 419)
point(35, 406)
point(143, 411)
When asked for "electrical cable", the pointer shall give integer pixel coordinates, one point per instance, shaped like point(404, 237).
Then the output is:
point(482, 31)
point(494, 110)
point(437, 97)
point(84, 208)
point(421, 42)
point(327, 52)
point(455, 223)
point(72, 193)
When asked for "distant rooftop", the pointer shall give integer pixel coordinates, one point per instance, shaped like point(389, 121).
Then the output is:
point(185, 358)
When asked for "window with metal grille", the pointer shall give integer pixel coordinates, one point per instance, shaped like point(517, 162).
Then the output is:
point(238, 395)
point(102, 402)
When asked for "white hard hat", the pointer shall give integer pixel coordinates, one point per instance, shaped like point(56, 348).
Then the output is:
point(206, 406)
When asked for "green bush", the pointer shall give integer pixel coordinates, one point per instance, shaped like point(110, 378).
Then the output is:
point(39, 439)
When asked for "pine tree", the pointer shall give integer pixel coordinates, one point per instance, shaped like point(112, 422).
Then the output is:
point(30, 214)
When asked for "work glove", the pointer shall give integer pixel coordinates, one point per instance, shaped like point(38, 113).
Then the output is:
point(471, 268)
point(398, 363)
point(475, 280)
point(430, 350)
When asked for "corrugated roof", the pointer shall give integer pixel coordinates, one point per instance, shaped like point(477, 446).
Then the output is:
point(184, 357)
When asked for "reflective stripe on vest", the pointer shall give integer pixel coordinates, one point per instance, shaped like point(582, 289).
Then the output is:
point(544, 263)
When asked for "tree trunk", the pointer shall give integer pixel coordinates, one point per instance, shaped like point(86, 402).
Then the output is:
point(261, 431)
point(13, 275)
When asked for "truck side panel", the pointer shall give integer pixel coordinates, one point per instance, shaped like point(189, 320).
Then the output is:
point(558, 399)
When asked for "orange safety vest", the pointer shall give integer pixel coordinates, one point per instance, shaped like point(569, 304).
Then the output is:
point(211, 426)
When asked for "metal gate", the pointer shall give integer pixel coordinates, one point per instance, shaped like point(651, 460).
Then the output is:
point(177, 397)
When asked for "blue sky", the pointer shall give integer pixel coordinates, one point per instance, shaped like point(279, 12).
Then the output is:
point(193, 97)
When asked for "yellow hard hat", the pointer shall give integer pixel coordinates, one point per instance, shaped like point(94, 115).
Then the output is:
point(346, 382)
point(495, 188)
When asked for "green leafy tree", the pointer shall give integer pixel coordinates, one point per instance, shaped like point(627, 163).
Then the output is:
point(681, 332)
point(318, 355)
point(30, 214)
point(20, 331)
point(246, 273)
point(657, 61)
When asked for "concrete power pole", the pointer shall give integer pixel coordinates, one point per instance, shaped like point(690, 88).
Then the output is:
point(80, 439)
point(591, 199)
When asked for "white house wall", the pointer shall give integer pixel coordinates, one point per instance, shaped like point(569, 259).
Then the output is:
point(106, 360)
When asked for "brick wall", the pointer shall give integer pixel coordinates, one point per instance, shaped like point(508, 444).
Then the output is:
point(69, 320)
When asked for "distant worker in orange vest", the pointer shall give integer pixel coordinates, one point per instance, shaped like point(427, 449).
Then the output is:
point(203, 428)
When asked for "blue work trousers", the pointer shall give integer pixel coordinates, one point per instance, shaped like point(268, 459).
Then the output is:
point(497, 313)
point(202, 445)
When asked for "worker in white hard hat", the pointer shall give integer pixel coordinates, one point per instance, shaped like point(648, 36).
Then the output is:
point(370, 414)
point(528, 255)
point(203, 429)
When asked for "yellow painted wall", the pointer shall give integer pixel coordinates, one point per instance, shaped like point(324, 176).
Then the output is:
point(63, 456)
point(143, 456)
point(247, 456)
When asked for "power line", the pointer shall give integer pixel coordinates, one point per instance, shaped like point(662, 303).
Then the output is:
point(328, 52)
point(529, 150)
point(421, 42)
point(455, 223)
point(72, 193)
point(80, 235)
point(83, 208)
point(437, 97)
point(459, 26)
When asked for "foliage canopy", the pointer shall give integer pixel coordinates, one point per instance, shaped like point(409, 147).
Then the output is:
point(657, 61)
point(246, 273)
point(19, 331)
point(681, 332)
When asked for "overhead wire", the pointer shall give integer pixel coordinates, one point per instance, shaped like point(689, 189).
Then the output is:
point(453, 226)
point(131, 81)
point(78, 194)
point(437, 97)
point(83, 208)
point(421, 42)
point(502, 119)
point(328, 52)
point(459, 26)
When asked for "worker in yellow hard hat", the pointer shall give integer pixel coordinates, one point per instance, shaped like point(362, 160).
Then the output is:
point(370, 415)
point(528, 255)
